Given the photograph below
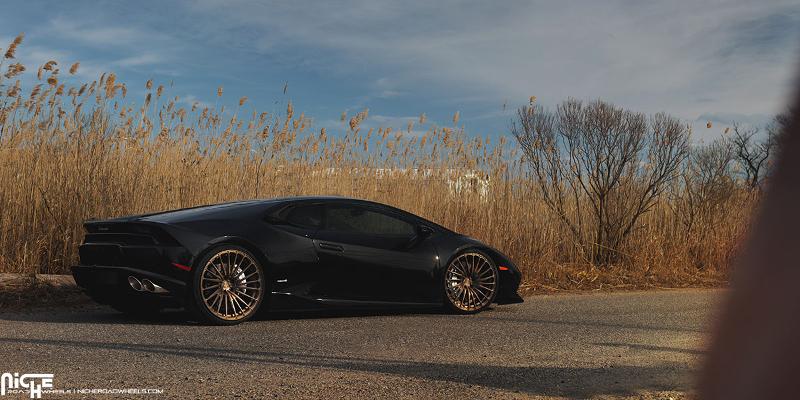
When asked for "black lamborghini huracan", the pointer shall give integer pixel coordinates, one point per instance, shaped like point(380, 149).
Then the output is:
point(223, 262)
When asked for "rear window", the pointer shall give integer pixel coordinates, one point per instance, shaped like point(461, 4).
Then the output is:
point(308, 216)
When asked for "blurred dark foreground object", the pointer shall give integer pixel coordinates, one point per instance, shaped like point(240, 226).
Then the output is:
point(755, 349)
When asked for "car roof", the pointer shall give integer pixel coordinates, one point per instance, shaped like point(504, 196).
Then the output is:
point(249, 207)
point(321, 199)
point(351, 200)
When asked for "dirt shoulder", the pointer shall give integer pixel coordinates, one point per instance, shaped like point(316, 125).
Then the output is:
point(24, 291)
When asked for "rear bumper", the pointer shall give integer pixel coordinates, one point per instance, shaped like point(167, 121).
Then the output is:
point(104, 281)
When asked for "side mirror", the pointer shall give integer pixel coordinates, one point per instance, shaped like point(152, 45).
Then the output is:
point(424, 231)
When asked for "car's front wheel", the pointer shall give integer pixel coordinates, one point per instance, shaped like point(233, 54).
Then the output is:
point(470, 282)
point(228, 286)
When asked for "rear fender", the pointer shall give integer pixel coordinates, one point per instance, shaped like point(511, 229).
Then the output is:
point(234, 240)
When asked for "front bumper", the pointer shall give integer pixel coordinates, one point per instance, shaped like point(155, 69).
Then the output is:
point(510, 280)
point(509, 298)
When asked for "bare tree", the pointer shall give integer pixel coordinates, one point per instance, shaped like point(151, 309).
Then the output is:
point(707, 182)
point(754, 155)
point(600, 167)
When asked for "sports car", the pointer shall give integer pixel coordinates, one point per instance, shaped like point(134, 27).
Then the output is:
point(225, 262)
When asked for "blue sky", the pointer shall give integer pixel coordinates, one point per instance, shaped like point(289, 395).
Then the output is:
point(698, 60)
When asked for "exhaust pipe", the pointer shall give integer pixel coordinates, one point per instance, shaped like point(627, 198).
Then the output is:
point(151, 287)
point(135, 283)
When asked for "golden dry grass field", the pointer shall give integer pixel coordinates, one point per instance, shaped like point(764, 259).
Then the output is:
point(73, 152)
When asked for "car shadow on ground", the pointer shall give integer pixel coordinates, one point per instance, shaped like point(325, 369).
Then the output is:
point(347, 313)
point(498, 318)
point(639, 346)
point(95, 314)
point(575, 382)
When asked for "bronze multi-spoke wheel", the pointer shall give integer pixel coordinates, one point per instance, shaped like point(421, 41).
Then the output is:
point(230, 285)
point(470, 282)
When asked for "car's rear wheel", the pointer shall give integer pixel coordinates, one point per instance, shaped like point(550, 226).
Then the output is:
point(470, 282)
point(228, 286)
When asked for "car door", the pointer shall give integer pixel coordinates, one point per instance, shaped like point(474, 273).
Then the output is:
point(295, 268)
point(372, 254)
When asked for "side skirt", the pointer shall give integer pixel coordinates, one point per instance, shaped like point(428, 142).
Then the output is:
point(289, 302)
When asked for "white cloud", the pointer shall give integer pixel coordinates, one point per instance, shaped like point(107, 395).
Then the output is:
point(98, 34)
point(722, 122)
point(388, 94)
point(147, 48)
point(684, 58)
point(398, 124)
point(698, 60)
point(730, 118)
point(191, 100)
point(140, 60)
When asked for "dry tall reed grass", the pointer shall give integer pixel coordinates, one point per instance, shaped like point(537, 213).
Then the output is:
point(70, 153)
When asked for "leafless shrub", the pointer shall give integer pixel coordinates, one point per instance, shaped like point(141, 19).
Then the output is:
point(600, 167)
point(705, 195)
point(753, 153)
point(708, 182)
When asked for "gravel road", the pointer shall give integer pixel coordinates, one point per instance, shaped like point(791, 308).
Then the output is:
point(636, 344)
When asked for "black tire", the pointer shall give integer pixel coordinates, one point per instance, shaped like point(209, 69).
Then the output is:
point(460, 294)
point(205, 303)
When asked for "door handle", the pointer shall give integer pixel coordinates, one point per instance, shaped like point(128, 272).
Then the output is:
point(330, 246)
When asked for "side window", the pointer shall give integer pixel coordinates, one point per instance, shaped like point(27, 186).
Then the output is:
point(308, 216)
point(352, 219)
